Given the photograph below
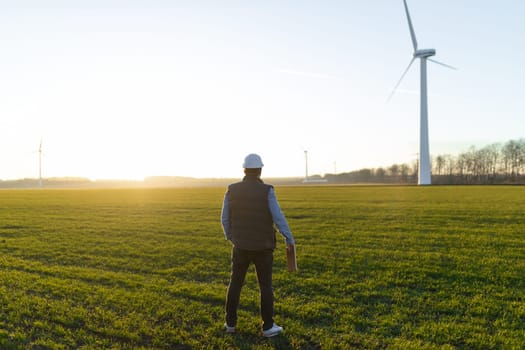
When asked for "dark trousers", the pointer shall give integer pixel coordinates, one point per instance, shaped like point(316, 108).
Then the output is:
point(263, 261)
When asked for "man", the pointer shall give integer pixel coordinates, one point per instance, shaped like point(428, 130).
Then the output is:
point(249, 212)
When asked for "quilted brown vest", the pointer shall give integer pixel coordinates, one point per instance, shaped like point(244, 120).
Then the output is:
point(251, 221)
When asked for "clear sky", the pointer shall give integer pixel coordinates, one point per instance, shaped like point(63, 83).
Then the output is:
point(128, 88)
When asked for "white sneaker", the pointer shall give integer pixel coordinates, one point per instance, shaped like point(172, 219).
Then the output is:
point(273, 331)
point(229, 329)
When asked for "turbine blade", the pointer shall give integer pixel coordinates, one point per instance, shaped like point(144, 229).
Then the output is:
point(412, 34)
point(400, 79)
point(442, 64)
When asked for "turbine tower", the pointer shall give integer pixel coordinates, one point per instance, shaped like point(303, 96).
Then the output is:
point(306, 165)
point(423, 54)
point(40, 164)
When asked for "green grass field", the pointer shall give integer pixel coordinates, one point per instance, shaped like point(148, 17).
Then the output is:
point(380, 267)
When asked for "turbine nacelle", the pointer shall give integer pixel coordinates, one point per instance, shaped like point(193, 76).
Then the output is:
point(424, 53)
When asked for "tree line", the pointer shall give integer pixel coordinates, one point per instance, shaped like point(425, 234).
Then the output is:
point(498, 163)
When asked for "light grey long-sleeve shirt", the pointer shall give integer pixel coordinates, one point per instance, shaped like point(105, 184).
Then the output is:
point(277, 216)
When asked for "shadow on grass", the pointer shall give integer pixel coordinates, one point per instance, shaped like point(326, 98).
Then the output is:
point(245, 341)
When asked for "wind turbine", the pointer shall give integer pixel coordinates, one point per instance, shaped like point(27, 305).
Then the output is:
point(306, 177)
point(423, 54)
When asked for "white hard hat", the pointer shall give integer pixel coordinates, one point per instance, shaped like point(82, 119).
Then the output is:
point(252, 161)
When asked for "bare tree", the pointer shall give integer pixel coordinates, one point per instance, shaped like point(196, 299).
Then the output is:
point(521, 156)
point(461, 165)
point(393, 170)
point(492, 154)
point(404, 170)
point(449, 165)
point(440, 164)
point(415, 167)
point(380, 174)
point(511, 156)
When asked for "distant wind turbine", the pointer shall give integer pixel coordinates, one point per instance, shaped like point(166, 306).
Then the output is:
point(40, 164)
point(306, 165)
point(423, 54)
point(306, 177)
